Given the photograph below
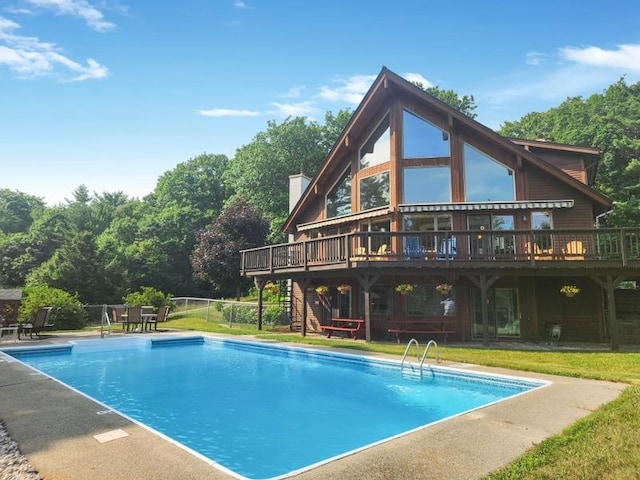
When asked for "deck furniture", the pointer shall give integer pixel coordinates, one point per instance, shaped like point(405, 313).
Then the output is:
point(154, 318)
point(352, 326)
point(40, 321)
point(423, 326)
point(133, 317)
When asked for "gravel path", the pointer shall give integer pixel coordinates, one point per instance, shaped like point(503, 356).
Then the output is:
point(14, 465)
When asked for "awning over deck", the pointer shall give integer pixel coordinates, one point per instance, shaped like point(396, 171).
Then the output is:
point(471, 206)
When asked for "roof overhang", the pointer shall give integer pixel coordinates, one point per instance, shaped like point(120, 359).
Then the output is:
point(471, 206)
point(373, 213)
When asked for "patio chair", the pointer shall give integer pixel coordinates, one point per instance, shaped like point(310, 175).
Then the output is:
point(133, 317)
point(117, 313)
point(574, 251)
point(40, 321)
point(161, 316)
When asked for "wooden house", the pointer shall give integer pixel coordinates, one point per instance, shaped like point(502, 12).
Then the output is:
point(485, 230)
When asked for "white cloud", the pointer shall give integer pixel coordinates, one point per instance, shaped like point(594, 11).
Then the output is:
point(29, 57)
point(350, 90)
point(295, 109)
point(535, 58)
point(294, 92)
point(240, 4)
point(417, 78)
point(227, 112)
point(76, 8)
point(625, 56)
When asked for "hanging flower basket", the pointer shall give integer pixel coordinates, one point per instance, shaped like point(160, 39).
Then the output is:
point(444, 288)
point(271, 288)
point(322, 289)
point(404, 288)
point(569, 290)
point(344, 288)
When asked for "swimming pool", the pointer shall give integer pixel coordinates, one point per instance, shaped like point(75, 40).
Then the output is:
point(260, 410)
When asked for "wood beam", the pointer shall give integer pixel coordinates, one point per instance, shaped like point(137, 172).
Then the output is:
point(484, 283)
point(259, 283)
point(303, 283)
point(366, 282)
point(608, 283)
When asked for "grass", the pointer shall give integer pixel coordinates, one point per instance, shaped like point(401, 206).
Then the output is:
point(604, 445)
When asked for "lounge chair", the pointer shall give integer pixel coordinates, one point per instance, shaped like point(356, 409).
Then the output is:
point(40, 321)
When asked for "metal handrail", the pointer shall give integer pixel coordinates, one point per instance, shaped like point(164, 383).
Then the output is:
point(426, 350)
point(406, 351)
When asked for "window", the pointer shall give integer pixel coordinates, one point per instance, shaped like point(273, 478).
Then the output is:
point(427, 184)
point(427, 243)
point(374, 191)
point(338, 199)
point(425, 301)
point(542, 221)
point(376, 241)
point(381, 300)
point(377, 149)
point(422, 139)
point(486, 180)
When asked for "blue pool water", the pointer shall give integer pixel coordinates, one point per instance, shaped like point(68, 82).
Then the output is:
point(264, 411)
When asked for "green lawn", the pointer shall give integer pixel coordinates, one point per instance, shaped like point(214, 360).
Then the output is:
point(604, 445)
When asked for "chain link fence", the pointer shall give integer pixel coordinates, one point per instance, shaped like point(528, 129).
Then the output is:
point(227, 311)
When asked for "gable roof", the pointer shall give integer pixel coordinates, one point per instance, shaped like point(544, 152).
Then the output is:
point(388, 84)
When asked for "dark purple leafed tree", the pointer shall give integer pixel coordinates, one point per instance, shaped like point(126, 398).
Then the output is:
point(216, 256)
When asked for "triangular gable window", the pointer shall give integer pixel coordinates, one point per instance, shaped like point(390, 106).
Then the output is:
point(339, 197)
point(422, 139)
point(377, 148)
point(485, 179)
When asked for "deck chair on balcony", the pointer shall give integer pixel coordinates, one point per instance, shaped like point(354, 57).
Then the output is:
point(360, 253)
point(538, 253)
point(574, 250)
point(413, 248)
point(447, 249)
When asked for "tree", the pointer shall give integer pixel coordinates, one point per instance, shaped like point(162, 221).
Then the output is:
point(216, 257)
point(609, 122)
point(259, 172)
point(17, 210)
point(465, 104)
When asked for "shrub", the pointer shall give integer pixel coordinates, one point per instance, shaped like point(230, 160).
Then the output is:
point(147, 296)
point(67, 313)
point(274, 315)
point(240, 314)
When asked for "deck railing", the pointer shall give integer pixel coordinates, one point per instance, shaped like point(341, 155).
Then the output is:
point(620, 246)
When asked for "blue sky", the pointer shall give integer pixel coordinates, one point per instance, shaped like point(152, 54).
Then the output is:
point(113, 93)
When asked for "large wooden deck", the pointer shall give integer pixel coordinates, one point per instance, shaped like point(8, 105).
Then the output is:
point(531, 252)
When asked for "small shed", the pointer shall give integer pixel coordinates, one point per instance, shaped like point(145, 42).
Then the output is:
point(9, 303)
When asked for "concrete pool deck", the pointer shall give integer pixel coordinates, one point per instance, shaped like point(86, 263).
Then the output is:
point(55, 428)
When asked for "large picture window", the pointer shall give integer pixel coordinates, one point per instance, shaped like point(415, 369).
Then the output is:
point(427, 184)
point(422, 139)
point(374, 191)
point(377, 148)
point(338, 200)
point(485, 179)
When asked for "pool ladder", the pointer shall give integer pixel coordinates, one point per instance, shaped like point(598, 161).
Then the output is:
point(413, 341)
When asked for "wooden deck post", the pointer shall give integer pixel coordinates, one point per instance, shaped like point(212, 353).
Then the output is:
point(366, 282)
point(259, 283)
